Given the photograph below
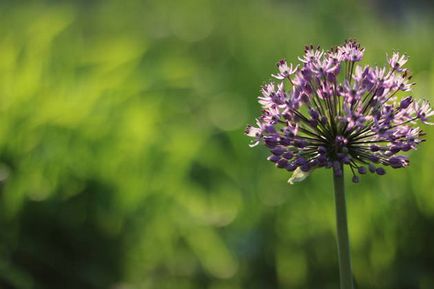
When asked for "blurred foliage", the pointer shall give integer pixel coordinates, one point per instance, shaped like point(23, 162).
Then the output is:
point(123, 163)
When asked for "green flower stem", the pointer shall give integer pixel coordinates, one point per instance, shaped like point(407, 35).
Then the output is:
point(345, 272)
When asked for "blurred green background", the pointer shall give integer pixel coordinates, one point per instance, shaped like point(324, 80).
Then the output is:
point(123, 162)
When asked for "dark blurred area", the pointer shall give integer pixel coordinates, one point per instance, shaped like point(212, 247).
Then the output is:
point(123, 162)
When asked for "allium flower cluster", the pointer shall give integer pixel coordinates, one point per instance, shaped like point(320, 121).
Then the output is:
point(330, 112)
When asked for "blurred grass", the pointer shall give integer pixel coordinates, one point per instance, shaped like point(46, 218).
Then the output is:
point(123, 163)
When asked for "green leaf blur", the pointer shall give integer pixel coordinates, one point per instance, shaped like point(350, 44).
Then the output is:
point(123, 162)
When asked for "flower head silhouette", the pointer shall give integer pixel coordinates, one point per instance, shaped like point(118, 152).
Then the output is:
point(330, 112)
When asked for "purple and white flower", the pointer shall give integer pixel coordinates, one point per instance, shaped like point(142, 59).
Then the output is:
point(284, 70)
point(330, 111)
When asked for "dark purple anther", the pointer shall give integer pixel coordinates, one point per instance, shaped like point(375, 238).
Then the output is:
point(395, 149)
point(270, 142)
point(282, 163)
point(314, 114)
point(324, 120)
point(405, 147)
point(288, 155)
point(278, 150)
point(270, 129)
point(355, 179)
point(361, 170)
point(380, 171)
point(374, 148)
point(374, 158)
point(291, 167)
point(398, 162)
point(305, 167)
point(307, 89)
point(322, 150)
point(285, 141)
point(273, 158)
point(405, 102)
point(331, 77)
point(300, 143)
point(304, 98)
point(380, 91)
point(313, 122)
point(299, 161)
point(322, 159)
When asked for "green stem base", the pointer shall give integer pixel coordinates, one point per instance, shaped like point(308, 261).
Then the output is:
point(345, 272)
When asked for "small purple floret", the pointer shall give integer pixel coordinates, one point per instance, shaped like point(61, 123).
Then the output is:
point(361, 170)
point(288, 155)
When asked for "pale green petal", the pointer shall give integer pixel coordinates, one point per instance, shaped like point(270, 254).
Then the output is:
point(298, 176)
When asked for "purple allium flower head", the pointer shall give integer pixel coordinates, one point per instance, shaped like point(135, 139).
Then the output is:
point(330, 111)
